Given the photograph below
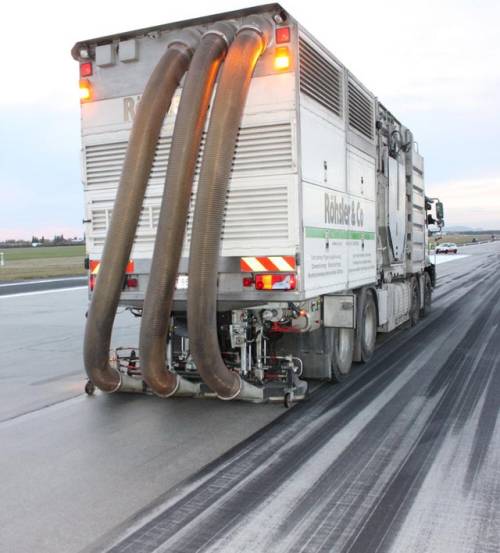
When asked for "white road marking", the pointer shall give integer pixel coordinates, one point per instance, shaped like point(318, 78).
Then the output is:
point(440, 259)
point(19, 294)
point(25, 282)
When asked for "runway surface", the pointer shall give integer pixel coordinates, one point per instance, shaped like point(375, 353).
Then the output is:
point(31, 287)
point(403, 457)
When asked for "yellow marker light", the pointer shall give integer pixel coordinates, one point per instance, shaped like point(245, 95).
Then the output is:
point(267, 281)
point(85, 90)
point(282, 58)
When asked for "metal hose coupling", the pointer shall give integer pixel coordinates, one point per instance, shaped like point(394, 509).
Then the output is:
point(224, 29)
point(246, 392)
point(187, 38)
point(227, 111)
point(154, 105)
point(189, 124)
point(262, 25)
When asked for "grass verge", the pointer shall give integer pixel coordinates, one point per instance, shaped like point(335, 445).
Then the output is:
point(42, 262)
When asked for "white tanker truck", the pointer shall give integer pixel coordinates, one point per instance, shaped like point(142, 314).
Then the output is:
point(247, 197)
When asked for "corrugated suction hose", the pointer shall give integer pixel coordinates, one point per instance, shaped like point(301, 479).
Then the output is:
point(139, 158)
point(227, 111)
point(189, 124)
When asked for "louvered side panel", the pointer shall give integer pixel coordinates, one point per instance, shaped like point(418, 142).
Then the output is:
point(360, 111)
point(99, 218)
point(260, 149)
point(418, 203)
point(418, 219)
point(252, 214)
point(103, 163)
point(319, 78)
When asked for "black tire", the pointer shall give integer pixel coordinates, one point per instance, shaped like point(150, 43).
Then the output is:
point(426, 309)
point(415, 301)
point(342, 354)
point(367, 327)
point(89, 388)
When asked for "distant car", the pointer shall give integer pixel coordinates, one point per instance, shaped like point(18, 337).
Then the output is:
point(447, 247)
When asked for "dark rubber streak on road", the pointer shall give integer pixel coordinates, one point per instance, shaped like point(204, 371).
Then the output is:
point(443, 373)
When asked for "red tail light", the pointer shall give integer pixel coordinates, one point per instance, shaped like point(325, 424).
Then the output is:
point(282, 281)
point(86, 69)
point(247, 282)
point(282, 35)
point(132, 281)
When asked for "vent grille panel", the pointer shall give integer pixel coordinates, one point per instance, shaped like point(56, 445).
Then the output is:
point(264, 148)
point(99, 220)
point(320, 79)
point(252, 214)
point(360, 111)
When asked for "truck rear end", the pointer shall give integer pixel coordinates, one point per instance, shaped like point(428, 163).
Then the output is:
point(238, 199)
point(261, 223)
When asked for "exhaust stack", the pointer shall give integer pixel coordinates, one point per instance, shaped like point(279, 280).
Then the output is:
point(190, 121)
point(151, 112)
point(250, 42)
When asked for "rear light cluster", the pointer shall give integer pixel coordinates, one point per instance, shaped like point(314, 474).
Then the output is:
point(282, 53)
point(86, 70)
point(130, 281)
point(268, 281)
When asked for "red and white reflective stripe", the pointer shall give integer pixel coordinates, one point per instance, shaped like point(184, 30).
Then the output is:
point(95, 264)
point(279, 263)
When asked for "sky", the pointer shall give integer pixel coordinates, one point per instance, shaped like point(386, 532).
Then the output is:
point(435, 65)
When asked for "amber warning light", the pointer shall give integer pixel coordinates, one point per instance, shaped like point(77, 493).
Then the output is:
point(282, 58)
point(85, 90)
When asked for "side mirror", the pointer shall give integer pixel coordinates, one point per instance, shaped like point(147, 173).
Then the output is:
point(439, 211)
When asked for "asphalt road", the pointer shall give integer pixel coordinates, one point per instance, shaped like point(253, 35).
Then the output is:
point(74, 467)
point(403, 457)
point(37, 286)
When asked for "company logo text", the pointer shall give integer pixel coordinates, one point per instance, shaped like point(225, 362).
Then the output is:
point(343, 212)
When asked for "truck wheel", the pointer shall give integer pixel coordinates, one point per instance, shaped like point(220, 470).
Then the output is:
point(426, 309)
point(367, 327)
point(343, 349)
point(415, 301)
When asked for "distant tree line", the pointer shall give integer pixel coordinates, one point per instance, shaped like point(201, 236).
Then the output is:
point(57, 240)
point(475, 232)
